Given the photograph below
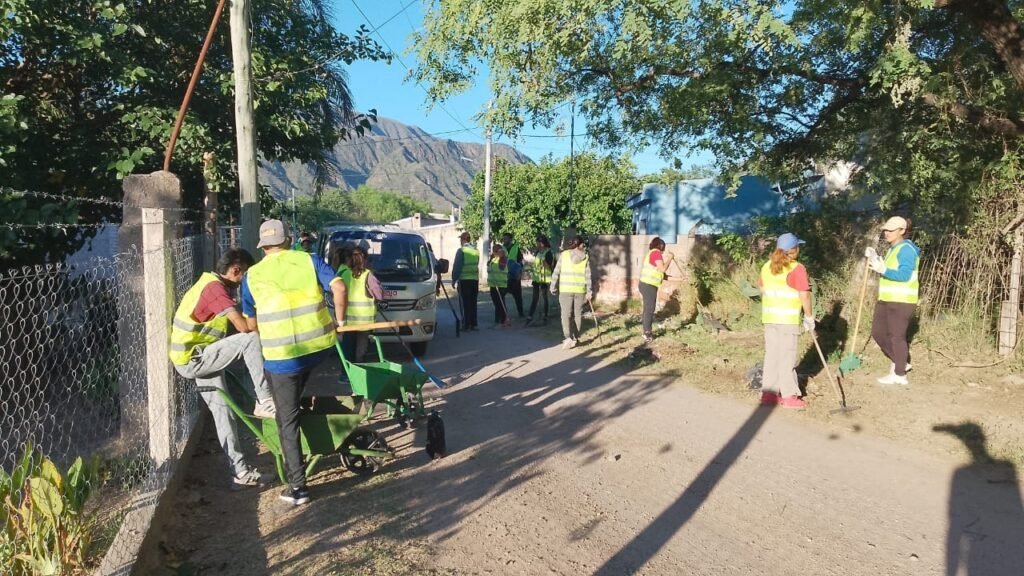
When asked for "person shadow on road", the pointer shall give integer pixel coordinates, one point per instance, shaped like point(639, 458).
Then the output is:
point(986, 518)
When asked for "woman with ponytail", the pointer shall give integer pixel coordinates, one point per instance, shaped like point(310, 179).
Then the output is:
point(785, 293)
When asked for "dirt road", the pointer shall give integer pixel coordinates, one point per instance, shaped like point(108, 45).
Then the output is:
point(565, 463)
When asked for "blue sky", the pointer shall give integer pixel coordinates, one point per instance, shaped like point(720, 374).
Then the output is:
point(385, 88)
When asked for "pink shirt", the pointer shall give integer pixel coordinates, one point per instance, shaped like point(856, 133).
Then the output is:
point(797, 279)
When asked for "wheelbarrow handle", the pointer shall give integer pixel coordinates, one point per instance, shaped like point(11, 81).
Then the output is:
point(376, 325)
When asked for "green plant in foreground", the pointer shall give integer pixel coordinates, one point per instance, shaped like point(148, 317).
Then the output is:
point(45, 530)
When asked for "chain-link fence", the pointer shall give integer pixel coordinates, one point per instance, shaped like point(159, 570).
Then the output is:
point(79, 380)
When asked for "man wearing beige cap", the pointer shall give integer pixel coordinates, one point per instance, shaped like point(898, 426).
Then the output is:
point(283, 299)
point(897, 297)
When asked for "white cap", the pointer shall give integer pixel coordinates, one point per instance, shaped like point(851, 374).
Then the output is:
point(895, 223)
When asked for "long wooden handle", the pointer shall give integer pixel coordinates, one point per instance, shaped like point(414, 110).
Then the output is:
point(824, 364)
point(860, 308)
point(376, 325)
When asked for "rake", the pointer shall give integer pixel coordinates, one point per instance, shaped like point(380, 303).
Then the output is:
point(843, 408)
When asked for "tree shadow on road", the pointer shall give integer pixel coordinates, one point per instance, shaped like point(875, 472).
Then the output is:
point(513, 421)
point(986, 518)
point(653, 538)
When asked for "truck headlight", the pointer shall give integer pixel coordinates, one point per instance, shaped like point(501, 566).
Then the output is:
point(425, 303)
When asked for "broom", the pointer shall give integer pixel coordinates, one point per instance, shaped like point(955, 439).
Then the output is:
point(851, 361)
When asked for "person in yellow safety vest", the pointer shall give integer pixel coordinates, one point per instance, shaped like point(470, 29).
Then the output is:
point(466, 280)
point(497, 282)
point(571, 281)
point(283, 299)
point(785, 292)
point(652, 273)
point(898, 288)
point(543, 265)
point(360, 307)
point(514, 253)
point(201, 349)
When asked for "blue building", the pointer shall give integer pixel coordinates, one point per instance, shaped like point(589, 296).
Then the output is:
point(702, 206)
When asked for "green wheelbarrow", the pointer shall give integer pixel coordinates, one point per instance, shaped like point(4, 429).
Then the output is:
point(398, 387)
point(327, 425)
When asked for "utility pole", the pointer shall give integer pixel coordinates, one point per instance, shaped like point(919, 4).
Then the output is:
point(487, 199)
point(245, 131)
point(295, 230)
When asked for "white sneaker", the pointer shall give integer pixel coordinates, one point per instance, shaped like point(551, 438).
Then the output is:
point(892, 367)
point(893, 380)
point(265, 409)
point(568, 343)
point(251, 477)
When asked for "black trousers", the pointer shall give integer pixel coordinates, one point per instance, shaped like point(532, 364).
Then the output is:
point(515, 288)
point(287, 392)
point(540, 290)
point(500, 309)
point(650, 296)
point(889, 329)
point(468, 292)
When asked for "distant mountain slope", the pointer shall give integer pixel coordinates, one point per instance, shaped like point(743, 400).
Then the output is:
point(399, 158)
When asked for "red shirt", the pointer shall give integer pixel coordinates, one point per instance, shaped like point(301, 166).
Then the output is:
point(656, 257)
point(797, 279)
point(215, 300)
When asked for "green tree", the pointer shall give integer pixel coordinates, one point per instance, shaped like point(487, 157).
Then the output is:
point(531, 199)
point(364, 204)
point(925, 94)
point(89, 91)
point(372, 205)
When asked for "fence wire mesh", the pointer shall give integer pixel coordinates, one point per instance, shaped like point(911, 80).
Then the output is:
point(74, 383)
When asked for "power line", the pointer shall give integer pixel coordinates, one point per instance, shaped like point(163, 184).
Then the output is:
point(404, 65)
point(393, 16)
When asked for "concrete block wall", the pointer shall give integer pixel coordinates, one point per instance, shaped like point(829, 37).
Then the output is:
point(616, 260)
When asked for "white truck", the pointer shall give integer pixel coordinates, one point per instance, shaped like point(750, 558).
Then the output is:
point(407, 271)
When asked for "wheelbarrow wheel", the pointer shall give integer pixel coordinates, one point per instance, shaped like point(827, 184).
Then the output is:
point(363, 439)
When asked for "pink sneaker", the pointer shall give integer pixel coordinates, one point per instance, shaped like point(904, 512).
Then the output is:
point(793, 402)
point(770, 398)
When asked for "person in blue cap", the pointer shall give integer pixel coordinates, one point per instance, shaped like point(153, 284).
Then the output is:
point(785, 294)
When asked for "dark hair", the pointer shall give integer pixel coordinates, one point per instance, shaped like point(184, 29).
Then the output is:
point(576, 242)
point(906, 231)
point(234, 256)
point(544, 241)
point(657, 244)
point(357, 261)
point(339, 254)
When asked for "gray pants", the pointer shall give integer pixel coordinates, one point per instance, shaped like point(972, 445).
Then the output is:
point(207, 368)
point(572, 314)
point(780, 352)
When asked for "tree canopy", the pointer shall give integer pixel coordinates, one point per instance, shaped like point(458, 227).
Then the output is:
point(546, 198)
point(364, 204)
point(89, 91)
point(925, 95)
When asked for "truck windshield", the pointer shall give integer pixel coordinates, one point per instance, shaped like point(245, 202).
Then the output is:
point(394, 256)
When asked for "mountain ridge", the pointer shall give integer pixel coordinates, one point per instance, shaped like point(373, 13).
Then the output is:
point(395, 157)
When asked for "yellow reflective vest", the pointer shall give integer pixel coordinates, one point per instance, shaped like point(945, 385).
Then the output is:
point(360, 309)
point(541, 273)
point(893, 291)
point(186, 333)
point(290, 310)
point(496, 277)
point(572, 276)
point(649, 274)
point(470, 263)
point(780, 303)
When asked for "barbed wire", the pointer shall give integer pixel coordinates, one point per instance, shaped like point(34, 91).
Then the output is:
point(66, 226)
point(101, 201)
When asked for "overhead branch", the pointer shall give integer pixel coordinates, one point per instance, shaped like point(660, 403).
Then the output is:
point(998, 26)
point(1002, 125)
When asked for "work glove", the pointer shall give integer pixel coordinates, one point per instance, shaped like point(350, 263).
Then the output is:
point(808, 324)
point(870, 253)
point(340, 323)
point(877, 265)
point(554, 291)
point(588, 296)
